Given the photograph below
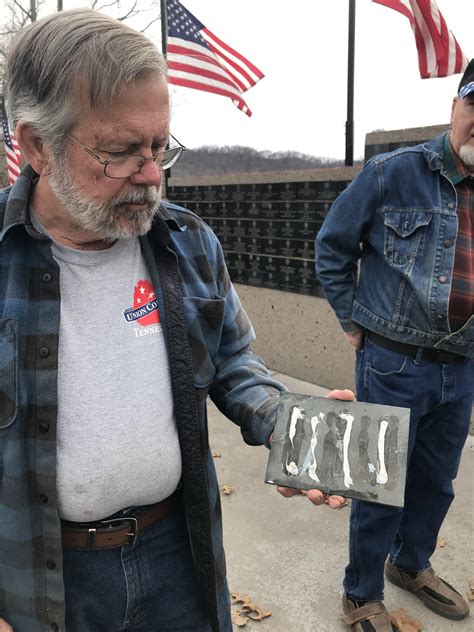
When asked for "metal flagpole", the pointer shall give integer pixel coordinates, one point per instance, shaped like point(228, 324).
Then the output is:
point(350, 87)
point(164, 49)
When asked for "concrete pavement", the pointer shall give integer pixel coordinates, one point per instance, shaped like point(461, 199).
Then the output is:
point(289, 555)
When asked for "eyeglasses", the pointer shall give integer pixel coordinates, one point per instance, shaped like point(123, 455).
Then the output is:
point(125, 165)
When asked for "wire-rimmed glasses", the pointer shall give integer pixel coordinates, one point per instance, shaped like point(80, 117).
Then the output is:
point(126, 165)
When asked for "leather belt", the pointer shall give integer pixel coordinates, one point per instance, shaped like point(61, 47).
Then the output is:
point(112, 533)
point(431, 355)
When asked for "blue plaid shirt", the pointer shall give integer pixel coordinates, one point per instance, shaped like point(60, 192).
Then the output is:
point(207, 335)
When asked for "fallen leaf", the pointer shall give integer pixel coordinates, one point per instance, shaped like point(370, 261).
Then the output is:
point(238, 619)
point(440, 543)
point(227, 489)
point(247, 608)
point(470, 594)
point(403, 623)
point(216, 455)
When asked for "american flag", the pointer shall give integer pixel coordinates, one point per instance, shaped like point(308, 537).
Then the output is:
point(200, 60)
point(439, 54)
point(12, 152)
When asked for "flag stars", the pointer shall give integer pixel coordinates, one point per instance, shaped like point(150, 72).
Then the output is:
point(141, 290)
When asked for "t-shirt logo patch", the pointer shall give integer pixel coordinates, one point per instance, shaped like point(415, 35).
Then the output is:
point(145, 306)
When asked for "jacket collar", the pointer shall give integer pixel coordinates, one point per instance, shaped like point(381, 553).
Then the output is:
point(433, 152)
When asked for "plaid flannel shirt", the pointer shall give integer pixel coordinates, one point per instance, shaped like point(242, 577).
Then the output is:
point(461, 299)
point(207, 335)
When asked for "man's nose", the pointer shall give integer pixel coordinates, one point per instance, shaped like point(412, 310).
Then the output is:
point(150, 174)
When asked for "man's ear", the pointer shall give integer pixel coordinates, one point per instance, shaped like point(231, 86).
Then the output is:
point(34, 149)
point(455, 100)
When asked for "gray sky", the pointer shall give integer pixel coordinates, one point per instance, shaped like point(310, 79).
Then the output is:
point(301, 46)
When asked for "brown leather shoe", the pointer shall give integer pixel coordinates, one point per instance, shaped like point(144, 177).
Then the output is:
point(434, 592)
point(371, 617)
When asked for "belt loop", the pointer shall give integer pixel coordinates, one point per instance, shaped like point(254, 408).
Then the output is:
point(91, 539)
point(419, 356)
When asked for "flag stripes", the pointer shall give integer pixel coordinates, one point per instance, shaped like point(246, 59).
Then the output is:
point(200, 60)
point(12, 151)
point(439, 54)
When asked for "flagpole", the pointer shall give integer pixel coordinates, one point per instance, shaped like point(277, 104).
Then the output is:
point(350, 87)
point(164, 49)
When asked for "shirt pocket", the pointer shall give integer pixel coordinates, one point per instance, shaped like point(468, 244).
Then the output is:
point(8, 372)
point(204, 320)
point(405, 235)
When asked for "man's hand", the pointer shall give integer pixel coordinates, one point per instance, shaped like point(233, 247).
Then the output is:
point(314, 495)
point(5, 627)
point(356, 340)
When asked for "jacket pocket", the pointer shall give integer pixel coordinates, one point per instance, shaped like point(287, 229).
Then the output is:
point(204, 319)
point(405, 236)
point(8, 372)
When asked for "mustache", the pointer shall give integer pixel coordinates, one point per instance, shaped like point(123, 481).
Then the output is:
point(149, 196)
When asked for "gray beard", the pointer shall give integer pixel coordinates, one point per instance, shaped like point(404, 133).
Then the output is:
point(466, 153)
point(108, 220)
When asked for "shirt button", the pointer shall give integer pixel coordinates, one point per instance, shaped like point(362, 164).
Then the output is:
point(442, 278)
point(43, 498)
point(451, 205)
point(44, 427)
point(51, 565)
point(47, 277)
point(43, 352)
point(448, 243)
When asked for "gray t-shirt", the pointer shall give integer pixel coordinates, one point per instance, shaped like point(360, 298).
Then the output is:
point(117, 442)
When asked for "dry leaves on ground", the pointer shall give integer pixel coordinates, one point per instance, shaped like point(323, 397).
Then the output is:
point(470, 594)
point(440, 543)
point(243, 609)
point(227, 489)
point(403, 623)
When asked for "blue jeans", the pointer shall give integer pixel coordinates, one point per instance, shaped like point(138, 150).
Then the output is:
point(440, 399)
point(151, 587)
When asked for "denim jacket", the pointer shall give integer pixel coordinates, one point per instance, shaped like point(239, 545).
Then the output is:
point(399, 218)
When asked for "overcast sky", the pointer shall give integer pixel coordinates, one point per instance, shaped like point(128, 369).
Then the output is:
point(301, 46)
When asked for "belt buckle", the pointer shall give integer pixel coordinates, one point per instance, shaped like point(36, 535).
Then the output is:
point(133, 528)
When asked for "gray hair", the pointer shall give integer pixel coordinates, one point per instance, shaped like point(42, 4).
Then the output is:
point(50, 60)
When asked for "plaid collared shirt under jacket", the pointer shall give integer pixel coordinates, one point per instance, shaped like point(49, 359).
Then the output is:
point(207, 335)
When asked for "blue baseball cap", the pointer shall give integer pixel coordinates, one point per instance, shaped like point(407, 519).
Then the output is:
point(466, 85)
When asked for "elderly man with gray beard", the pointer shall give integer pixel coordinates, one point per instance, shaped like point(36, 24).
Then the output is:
point(409, 312)
point(117, 320)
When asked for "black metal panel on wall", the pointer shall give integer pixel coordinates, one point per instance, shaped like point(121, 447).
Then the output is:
point(266, 230)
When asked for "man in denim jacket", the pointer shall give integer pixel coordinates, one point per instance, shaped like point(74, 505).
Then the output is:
point(408, 312)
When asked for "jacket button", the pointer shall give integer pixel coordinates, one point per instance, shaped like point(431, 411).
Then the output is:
point(451, 205)
point(44, 427)
point(47, 277)
point(442, 278)
point(43, 498)
point(448, 243)
point(51, 565)
point(55, 627)
point(43, 352)
point(440, 317)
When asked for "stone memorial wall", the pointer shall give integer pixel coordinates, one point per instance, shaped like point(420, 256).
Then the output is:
point(266, 229)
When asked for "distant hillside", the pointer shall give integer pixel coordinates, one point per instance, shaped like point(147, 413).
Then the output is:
point(212, 160)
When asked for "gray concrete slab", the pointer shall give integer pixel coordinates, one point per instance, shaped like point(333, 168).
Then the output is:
point(289, 555)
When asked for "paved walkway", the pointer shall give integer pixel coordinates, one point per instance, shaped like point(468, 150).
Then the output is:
point(289, 555)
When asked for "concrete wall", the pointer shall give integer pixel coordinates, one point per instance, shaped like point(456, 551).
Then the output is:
point(300, 336)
